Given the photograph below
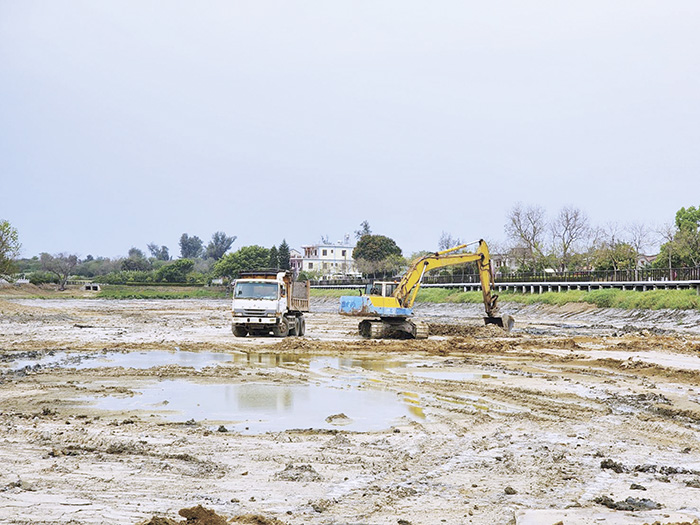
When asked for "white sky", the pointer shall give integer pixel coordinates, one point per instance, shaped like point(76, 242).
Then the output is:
point(129, 122)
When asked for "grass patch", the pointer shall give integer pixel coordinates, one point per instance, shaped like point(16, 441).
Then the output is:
point(135, 292)
point(333, 292)
point(606, 298)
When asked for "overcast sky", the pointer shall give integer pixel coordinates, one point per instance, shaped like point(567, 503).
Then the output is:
point(124, 123)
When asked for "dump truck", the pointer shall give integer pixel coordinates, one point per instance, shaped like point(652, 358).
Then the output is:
point(269, 301)
point(389, 305)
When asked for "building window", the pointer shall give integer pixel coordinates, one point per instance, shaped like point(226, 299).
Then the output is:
point(343, 253)
point(325, 252)
point(311, 265)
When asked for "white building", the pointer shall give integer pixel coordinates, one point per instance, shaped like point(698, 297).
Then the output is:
point(330, 259)
point(295, 261)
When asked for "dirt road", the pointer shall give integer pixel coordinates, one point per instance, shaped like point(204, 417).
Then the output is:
point(118, 411)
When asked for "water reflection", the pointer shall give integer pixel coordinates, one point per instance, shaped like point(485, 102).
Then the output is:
point(255, 407)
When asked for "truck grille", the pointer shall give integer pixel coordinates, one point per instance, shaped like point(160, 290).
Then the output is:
point(250, 312)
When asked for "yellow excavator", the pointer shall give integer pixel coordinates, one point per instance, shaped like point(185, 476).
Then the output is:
point(389, 305)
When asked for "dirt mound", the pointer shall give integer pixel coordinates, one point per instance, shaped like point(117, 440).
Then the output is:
point(466, 330)
point(298, 473)
point(202, 516)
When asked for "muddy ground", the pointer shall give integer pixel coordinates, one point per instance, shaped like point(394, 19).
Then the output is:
point(580, 415)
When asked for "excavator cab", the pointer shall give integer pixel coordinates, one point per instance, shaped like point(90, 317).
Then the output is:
point(381, 288)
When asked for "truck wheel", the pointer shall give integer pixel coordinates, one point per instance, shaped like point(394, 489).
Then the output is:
point(280, 330)
point(302, 326)
point(293, 326)
point(239, 330)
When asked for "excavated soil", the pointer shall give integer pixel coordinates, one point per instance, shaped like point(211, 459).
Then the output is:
point(578, 416)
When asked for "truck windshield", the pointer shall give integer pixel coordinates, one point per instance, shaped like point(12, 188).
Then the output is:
point(251, 290)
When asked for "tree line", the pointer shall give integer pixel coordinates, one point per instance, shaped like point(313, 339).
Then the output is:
point(536, 241)
point(198, 263)
point(564, 242)
point(569, 242)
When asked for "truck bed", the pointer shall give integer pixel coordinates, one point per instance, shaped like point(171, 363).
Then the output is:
point(299, 298)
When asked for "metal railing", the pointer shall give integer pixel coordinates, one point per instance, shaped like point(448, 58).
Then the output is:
point(646, 274)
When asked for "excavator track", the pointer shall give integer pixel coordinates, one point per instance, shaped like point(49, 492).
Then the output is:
point(371, 329)
point(393, 328)
point(422, 329)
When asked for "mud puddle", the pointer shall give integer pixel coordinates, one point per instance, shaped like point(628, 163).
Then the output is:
point(257, 407)
point(138, 360)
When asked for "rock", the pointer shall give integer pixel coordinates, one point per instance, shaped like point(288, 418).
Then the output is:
point(510, 490)
point(635, 486)
point(338, 419)
point(629, 504)
point(612, 465)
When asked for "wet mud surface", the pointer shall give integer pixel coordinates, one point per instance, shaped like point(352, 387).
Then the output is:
point(133, 411)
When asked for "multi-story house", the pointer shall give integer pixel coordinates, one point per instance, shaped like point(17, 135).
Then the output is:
point(330, 259)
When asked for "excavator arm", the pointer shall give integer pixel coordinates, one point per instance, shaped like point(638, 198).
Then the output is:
point(411, 281)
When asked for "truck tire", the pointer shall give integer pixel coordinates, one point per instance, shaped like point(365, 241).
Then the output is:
point(281, 329)
point(239, 330)
point(301, 330)
point(293, 326)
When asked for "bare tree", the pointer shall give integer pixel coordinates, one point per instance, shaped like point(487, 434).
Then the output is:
point(666, 234)
point(526, 227)
point(568, 228)
point(364, 230)
point(639, 236)
point(447, 241)
point(61, 265)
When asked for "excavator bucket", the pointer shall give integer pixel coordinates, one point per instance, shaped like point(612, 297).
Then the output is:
point(506, 322)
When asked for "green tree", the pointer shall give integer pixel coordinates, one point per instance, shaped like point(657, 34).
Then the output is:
point(175, 272)
point(385, 268)
point(220, 243)
point(375, 248)
point(682, 246)
point(283, 256)
point(688, 218)
point(136, 261)
point(159, 253)
point(246, 258)
point(190, 247)
point(616, 256)
point(274, 258)
point(9, 248)
point(61, 265)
